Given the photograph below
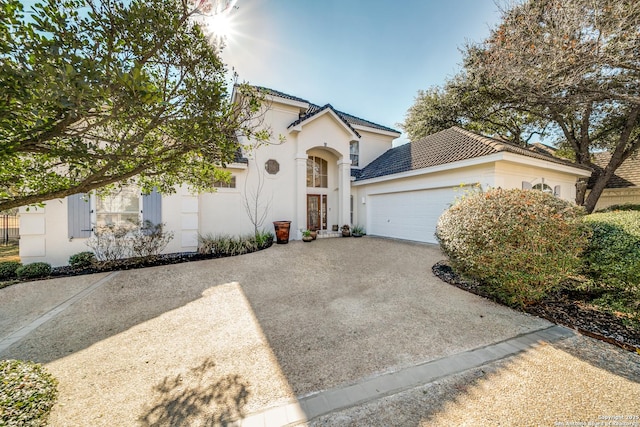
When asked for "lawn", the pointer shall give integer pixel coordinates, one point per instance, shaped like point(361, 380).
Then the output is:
point(9, 253)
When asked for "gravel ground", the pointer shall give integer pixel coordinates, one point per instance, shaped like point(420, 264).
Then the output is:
point(204, 342)
point(577, 381)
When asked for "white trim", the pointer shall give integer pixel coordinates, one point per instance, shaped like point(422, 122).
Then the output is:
point(285, 101)
point(545, 164)
point(375, 130)
point(496, 157)
point(298, 127)
point(236, 166)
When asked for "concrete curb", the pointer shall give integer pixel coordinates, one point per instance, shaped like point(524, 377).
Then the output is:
point(322, 403)
point(16, 336)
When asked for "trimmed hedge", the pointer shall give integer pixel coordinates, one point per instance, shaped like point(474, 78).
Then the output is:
point(8, 269)
point(82, 259)
point(34, 270)
point(27, 393)
point(613, 255)
point(521, 244)
point(622, 207)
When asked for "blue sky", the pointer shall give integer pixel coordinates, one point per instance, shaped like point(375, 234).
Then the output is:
point(367, 58)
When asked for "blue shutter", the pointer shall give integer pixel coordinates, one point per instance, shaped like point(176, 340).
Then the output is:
point(152, 208)
point(79, 216)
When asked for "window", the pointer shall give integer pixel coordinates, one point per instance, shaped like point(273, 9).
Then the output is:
point(351, 208)
point(272, 167)
point(224, 184)
point(316, 172)
point(354, 152)
point(542, 187)
point(120, 208)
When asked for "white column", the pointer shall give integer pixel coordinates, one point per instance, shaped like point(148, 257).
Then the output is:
point(344, 190)
point(301, 196)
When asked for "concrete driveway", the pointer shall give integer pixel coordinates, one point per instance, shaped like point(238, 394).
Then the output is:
point(322, 331)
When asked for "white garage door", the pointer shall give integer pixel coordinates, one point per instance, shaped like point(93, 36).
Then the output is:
point(410, 215)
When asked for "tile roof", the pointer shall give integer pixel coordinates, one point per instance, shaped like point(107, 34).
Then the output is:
point(279, 94)
point(538, 147)
point(627, 175)
point(313, 109)
point(447, 146)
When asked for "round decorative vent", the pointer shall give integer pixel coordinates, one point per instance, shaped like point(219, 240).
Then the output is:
point(272, 167)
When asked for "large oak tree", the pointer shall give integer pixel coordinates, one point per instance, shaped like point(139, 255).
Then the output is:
point(574, 65)
point(98, 92)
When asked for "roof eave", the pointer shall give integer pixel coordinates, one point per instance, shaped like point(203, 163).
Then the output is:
point(285, 101)
point(546, 164)
point(490, 158)
point(376, 130)
point(348, 128)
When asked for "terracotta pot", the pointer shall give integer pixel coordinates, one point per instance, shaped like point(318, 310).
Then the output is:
point(314, 234)
point(282, 231)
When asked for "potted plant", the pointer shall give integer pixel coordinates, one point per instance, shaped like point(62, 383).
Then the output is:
point(345, 231)
point(314, 234)
point(282, 231)
point(357, 231)
point(306, 236)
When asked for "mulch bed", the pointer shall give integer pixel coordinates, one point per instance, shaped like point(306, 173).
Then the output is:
point(569, 310)
point(128, 264)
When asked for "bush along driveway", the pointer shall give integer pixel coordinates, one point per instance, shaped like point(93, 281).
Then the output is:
point(571, 309)
point(539, 253)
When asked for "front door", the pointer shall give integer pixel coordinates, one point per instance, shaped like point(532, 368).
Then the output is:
point(317, 211)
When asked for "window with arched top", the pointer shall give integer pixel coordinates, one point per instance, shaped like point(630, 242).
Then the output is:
point(317, 172)
point(543, 187)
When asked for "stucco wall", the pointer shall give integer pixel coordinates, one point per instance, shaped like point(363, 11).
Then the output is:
point(511, 175)
point(618, 196)
point(372, 146)
point(44, 234)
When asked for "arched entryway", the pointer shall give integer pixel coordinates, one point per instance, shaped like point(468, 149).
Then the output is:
point(325, 185)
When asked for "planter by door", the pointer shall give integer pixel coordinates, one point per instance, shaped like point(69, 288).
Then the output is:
point(282, 231)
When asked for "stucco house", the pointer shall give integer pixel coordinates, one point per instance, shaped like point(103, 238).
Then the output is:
point(332, 169)
point(624, 185)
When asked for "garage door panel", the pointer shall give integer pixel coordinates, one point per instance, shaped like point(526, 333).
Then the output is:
point(410, 215)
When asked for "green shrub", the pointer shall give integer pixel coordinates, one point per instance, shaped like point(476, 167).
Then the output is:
point(264, 239)
point(358, 229)
point(34, 270)
point(82, 259)
point(521, 244)
point(622, 207)
point(225, 245)
point(613, 255)
point(27, 393)
point(8, 269)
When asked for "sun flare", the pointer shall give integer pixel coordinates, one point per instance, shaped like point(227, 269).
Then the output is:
point(221, 25)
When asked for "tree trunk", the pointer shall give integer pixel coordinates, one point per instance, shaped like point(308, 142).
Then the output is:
point(596, 192)
point(601, 182)
point(581, 191)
